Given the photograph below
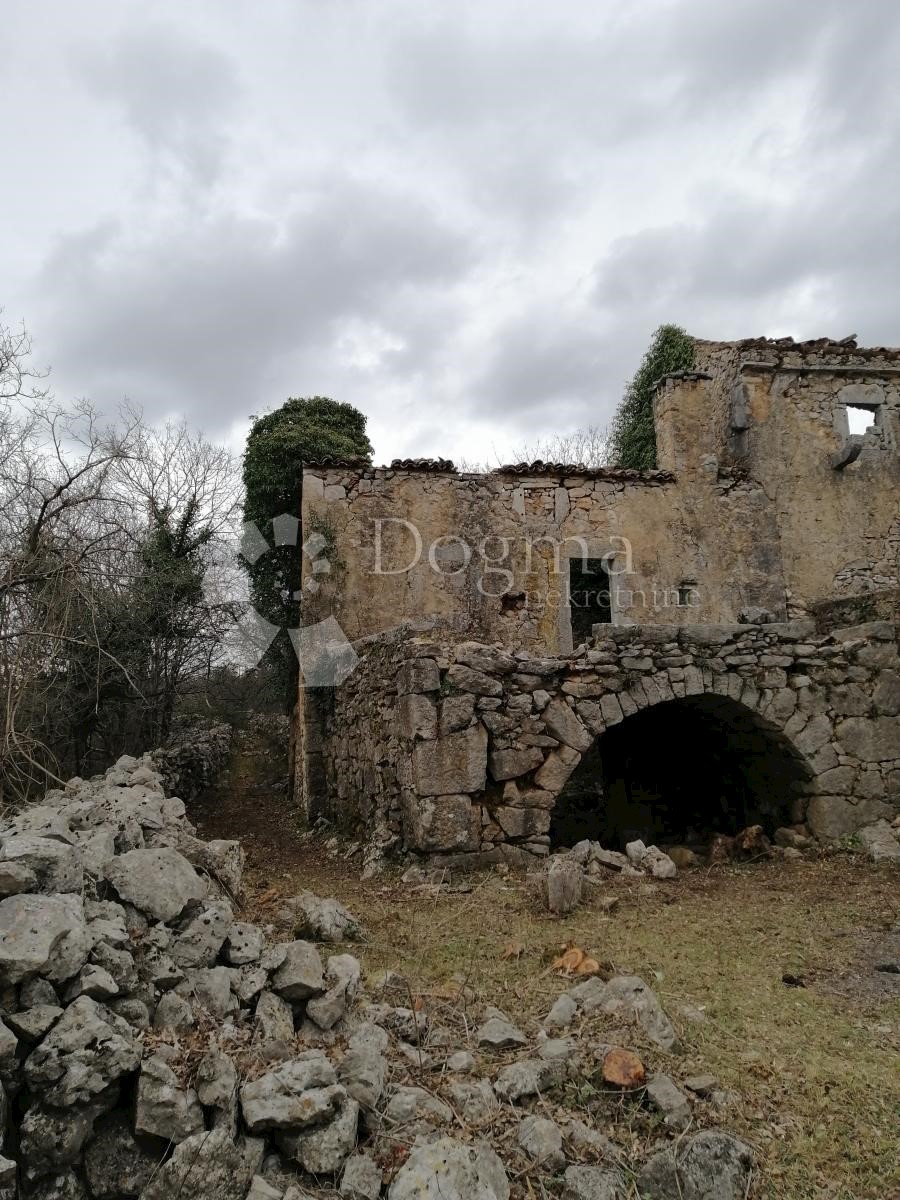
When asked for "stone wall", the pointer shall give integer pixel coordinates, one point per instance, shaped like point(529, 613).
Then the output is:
point(466, 748)
point(747, 511)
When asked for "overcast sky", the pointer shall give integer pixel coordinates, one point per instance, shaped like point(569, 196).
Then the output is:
point(464, 218)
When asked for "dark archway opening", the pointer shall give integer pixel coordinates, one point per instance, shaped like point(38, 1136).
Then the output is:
point(679, 772)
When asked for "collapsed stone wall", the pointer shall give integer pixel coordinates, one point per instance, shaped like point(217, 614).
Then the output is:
point(154, 1045)
point(482, 741)
point(190, 762)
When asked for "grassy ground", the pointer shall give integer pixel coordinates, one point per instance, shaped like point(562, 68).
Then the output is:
point(815, 1069)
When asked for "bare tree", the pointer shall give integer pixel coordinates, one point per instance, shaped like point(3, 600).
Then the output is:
point(589, 447)
point(111, 538)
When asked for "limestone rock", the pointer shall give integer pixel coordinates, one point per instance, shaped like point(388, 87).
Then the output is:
point(363, 1071)
point(175, 1013)
point(474, 1101)
point(441, 823)
point(300, 974)
point(52, 1138)
point(163, 1107)
point(273, 1022)
point(361, 1178)
point(161, 883)
point(342, 974)
point(260, 1189)
point(880, 842)
point(321, 920)
point(207, 1166)
point(244, 944)
point(15, 877)
point(562, 1014)
point(116, 1163)
point(453, 764)
point(448, 1170)
point(629, 994)
point(295, 1094)
point(32, 1023)
point(323, 1150)
point(57, 866)
point(541, 1140)
point(210, 988)
point(200, 943)
point(216, 1080)
point(659, 864)
point(563, 884)
point(86, 1050)
point(41, 935)
point(669, 1101)
point(499, 1034)
point(594, 1183)
point(529, 1077)
point(710, 1166)
point(410, 1105)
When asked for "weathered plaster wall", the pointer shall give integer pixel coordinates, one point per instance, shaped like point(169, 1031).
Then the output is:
point(717, 533)
point(839, 530)
point(465, 748)
point(746, 504)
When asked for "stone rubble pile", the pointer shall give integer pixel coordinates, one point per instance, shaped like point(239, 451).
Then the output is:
point(153, 1045)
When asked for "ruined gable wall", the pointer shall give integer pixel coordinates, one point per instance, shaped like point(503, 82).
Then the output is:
point(771, 416)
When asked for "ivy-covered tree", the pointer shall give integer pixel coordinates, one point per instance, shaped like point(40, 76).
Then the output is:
point(278, 444)
point(633, 437)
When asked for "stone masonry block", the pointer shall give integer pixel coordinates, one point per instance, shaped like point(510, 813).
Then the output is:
point(452, 764)
point(418, 675)
point(418, 716)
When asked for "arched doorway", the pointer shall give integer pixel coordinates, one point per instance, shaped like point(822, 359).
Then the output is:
point(679, 772)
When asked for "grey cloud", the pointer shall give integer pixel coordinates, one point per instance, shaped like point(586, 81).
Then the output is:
point(175, 94)
point(199, 316)
point(467, 221)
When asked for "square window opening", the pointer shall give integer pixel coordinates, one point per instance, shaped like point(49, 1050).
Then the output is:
point(860, 419)
point(589, 596)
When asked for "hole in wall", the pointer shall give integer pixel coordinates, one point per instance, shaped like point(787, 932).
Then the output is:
point(678, 773)
point(860, 419)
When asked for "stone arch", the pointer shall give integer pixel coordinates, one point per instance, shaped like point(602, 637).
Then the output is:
point(673, 764)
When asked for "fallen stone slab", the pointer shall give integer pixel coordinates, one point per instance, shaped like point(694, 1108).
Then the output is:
point(669, 1101)
point(497, 1033)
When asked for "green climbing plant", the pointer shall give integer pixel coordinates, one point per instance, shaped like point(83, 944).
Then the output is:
point(633, 437)
point(279, 443)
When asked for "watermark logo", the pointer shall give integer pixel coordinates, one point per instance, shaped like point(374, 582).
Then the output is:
point(323, 650)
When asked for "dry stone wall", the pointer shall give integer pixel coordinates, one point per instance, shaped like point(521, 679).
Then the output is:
point(465, 749)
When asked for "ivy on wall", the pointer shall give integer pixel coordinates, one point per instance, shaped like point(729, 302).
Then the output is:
point(633, 437)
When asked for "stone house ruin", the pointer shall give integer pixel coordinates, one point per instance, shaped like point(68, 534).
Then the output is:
point(546, 652)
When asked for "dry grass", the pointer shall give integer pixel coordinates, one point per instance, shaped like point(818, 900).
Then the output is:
point(814, 1069)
